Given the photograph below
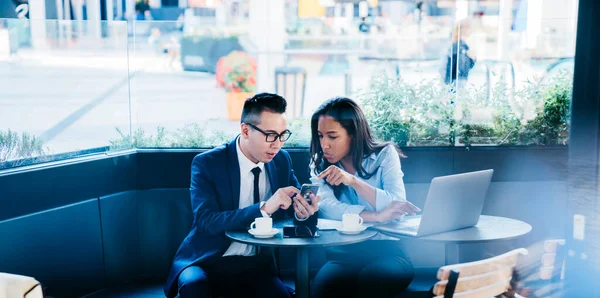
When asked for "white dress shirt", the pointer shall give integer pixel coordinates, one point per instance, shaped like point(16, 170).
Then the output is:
point(247, 196)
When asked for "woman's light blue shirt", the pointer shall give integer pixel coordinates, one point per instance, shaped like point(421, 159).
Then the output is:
point(387, 181)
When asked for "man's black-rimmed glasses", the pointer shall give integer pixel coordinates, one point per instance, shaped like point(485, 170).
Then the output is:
point(271, 136)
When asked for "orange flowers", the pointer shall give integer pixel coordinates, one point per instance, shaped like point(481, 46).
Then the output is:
point(236, 72)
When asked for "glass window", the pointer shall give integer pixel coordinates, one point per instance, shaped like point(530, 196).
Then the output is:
point(442, 73)
point(64, 88)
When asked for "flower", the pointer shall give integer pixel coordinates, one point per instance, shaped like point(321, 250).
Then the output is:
point(236, 72)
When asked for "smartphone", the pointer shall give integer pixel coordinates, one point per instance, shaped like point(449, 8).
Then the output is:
point(307, 189)
point(299, 232)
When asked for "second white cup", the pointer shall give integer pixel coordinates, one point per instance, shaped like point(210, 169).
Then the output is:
point(352, 221)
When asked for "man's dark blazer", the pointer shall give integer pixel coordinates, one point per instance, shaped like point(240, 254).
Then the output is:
point(215, 195)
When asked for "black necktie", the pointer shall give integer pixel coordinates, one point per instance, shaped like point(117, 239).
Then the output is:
point(256, 172)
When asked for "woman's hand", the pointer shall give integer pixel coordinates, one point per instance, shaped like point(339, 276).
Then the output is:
point(336, 176)
point(397, 209)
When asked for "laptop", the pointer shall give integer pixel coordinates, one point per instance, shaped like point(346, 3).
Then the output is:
point(453, 202)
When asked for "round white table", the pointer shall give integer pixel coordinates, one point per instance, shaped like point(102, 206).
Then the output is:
point(302, 245)
point(489, 228)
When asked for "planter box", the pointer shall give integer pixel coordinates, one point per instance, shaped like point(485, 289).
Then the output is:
point(203, 53)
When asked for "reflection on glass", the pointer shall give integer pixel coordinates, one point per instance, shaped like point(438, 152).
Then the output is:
point(64, 89)
point(427, 75)
point(519, 91)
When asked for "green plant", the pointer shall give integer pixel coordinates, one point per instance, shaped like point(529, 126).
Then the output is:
point(551, 123)
point(139, 139)
point(423, 114)
point(410, 115)
point(15, 147)
point(487, 118)
point(190, 136)
point(426, 113)
point(196, 136)
point(300, 128)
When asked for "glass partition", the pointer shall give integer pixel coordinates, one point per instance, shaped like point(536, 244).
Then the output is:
point(175, 95)
point(518, 91)
point(460, 73)
point(64, 88)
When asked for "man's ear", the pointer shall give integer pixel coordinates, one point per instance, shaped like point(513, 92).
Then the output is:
point(245, 129)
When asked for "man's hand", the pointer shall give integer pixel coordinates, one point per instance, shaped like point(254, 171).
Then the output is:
point(281, 199)
point(336, 176)
point(396, 209)
point(303, 208)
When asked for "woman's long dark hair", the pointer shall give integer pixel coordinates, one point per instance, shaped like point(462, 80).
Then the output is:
point(353, 120)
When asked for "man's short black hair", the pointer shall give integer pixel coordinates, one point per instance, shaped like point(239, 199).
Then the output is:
point(259, 103)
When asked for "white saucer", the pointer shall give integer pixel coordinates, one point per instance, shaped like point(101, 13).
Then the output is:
point(270, 234)
point(351, 232)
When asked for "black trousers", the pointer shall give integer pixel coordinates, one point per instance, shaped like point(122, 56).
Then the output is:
point(233, 276)
point(376, 268)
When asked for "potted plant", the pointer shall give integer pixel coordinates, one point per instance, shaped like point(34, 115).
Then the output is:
point(236, 73)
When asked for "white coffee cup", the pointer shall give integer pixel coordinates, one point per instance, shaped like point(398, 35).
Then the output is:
point(352, 221)
point(262, 225)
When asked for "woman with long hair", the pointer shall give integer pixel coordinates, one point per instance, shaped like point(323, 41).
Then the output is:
point(358, 175)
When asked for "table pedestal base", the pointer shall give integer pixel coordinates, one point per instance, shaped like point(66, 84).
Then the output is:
point(302, 274)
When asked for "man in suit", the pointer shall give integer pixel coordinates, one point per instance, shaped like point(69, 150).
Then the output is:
point(232, 185)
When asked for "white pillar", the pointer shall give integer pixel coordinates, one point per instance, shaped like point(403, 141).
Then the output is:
point(534, 22)
point(363, 9)
point(67, 9)
point(504, 24)
point(266, 30)
point(337, 10)
point(37, 16)
point(462, 10)
point(183, 3)
point(93, 18)
point(119, 10)
point(573, 26)
point(221, 14)
point(110, 11)
point(78, 11)
point(129, 9)
point(349, 12)
point(59, 9)
point(67, 20)
point(396, 10)
point(59, 21)
point(338, 20)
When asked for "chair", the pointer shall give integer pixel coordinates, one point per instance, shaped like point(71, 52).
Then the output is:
point(485, 278)
point(544, 278)
point(290, 82)
point(13, 286)
point(552, 268)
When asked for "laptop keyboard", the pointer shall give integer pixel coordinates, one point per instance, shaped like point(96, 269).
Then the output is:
point(412, 222)
point(411, 229)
